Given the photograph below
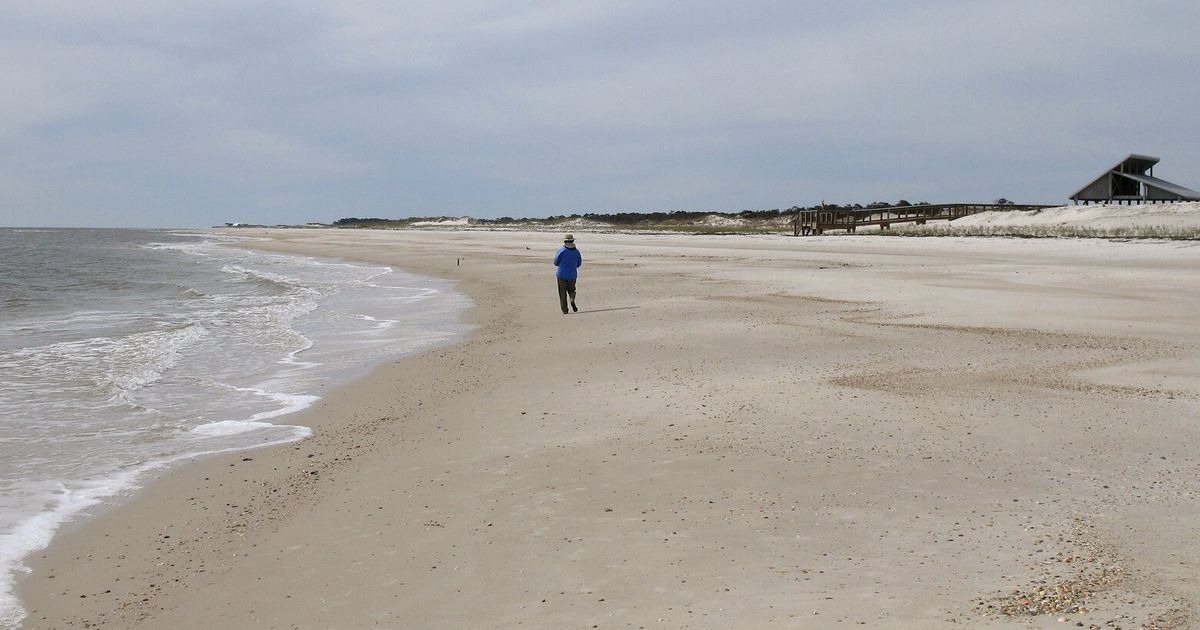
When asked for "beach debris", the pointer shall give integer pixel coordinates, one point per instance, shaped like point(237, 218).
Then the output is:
point(1064, 596)
point(1091, 569)
point(1084, 582)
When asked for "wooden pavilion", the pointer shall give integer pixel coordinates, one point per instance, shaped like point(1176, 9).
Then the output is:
point(1133, 181)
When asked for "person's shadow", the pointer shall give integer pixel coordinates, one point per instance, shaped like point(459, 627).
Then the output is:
point(605, 310)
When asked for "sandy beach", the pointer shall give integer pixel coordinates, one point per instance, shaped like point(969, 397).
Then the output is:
point(733, 432)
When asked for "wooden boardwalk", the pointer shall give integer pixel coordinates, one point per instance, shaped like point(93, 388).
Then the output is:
point(819, 221)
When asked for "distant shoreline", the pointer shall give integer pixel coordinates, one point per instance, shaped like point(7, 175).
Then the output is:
point(1174, 221)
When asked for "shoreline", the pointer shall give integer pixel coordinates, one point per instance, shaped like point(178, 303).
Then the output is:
point(186, 471)
point(705, 444)
point(239, 429)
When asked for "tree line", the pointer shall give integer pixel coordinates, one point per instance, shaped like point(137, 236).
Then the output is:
point(631, 218)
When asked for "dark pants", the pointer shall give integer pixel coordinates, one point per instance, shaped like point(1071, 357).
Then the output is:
point(566, 287)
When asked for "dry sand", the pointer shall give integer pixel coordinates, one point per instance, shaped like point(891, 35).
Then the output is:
point(734, 432)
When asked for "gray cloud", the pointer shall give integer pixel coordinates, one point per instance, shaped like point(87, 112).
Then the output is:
point(157, 113)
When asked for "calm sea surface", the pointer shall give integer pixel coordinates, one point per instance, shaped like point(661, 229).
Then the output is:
point(122, 351)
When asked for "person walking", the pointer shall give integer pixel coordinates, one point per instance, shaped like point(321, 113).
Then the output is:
point(568, 260)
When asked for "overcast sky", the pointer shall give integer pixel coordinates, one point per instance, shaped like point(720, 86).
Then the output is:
point(175, 113)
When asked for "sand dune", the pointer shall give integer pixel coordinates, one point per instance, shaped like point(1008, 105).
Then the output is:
point(1104, 216)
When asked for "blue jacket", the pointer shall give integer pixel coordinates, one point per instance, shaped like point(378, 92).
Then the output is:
point(568, 260)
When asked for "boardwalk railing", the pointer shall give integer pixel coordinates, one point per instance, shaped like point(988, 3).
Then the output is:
point(819, 221)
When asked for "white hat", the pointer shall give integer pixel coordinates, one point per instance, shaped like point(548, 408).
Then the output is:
point(570, 238)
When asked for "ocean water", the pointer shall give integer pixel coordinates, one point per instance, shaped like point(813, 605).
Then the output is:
point(122, 351)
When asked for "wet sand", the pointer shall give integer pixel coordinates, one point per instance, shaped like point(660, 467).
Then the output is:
point(732, 432)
